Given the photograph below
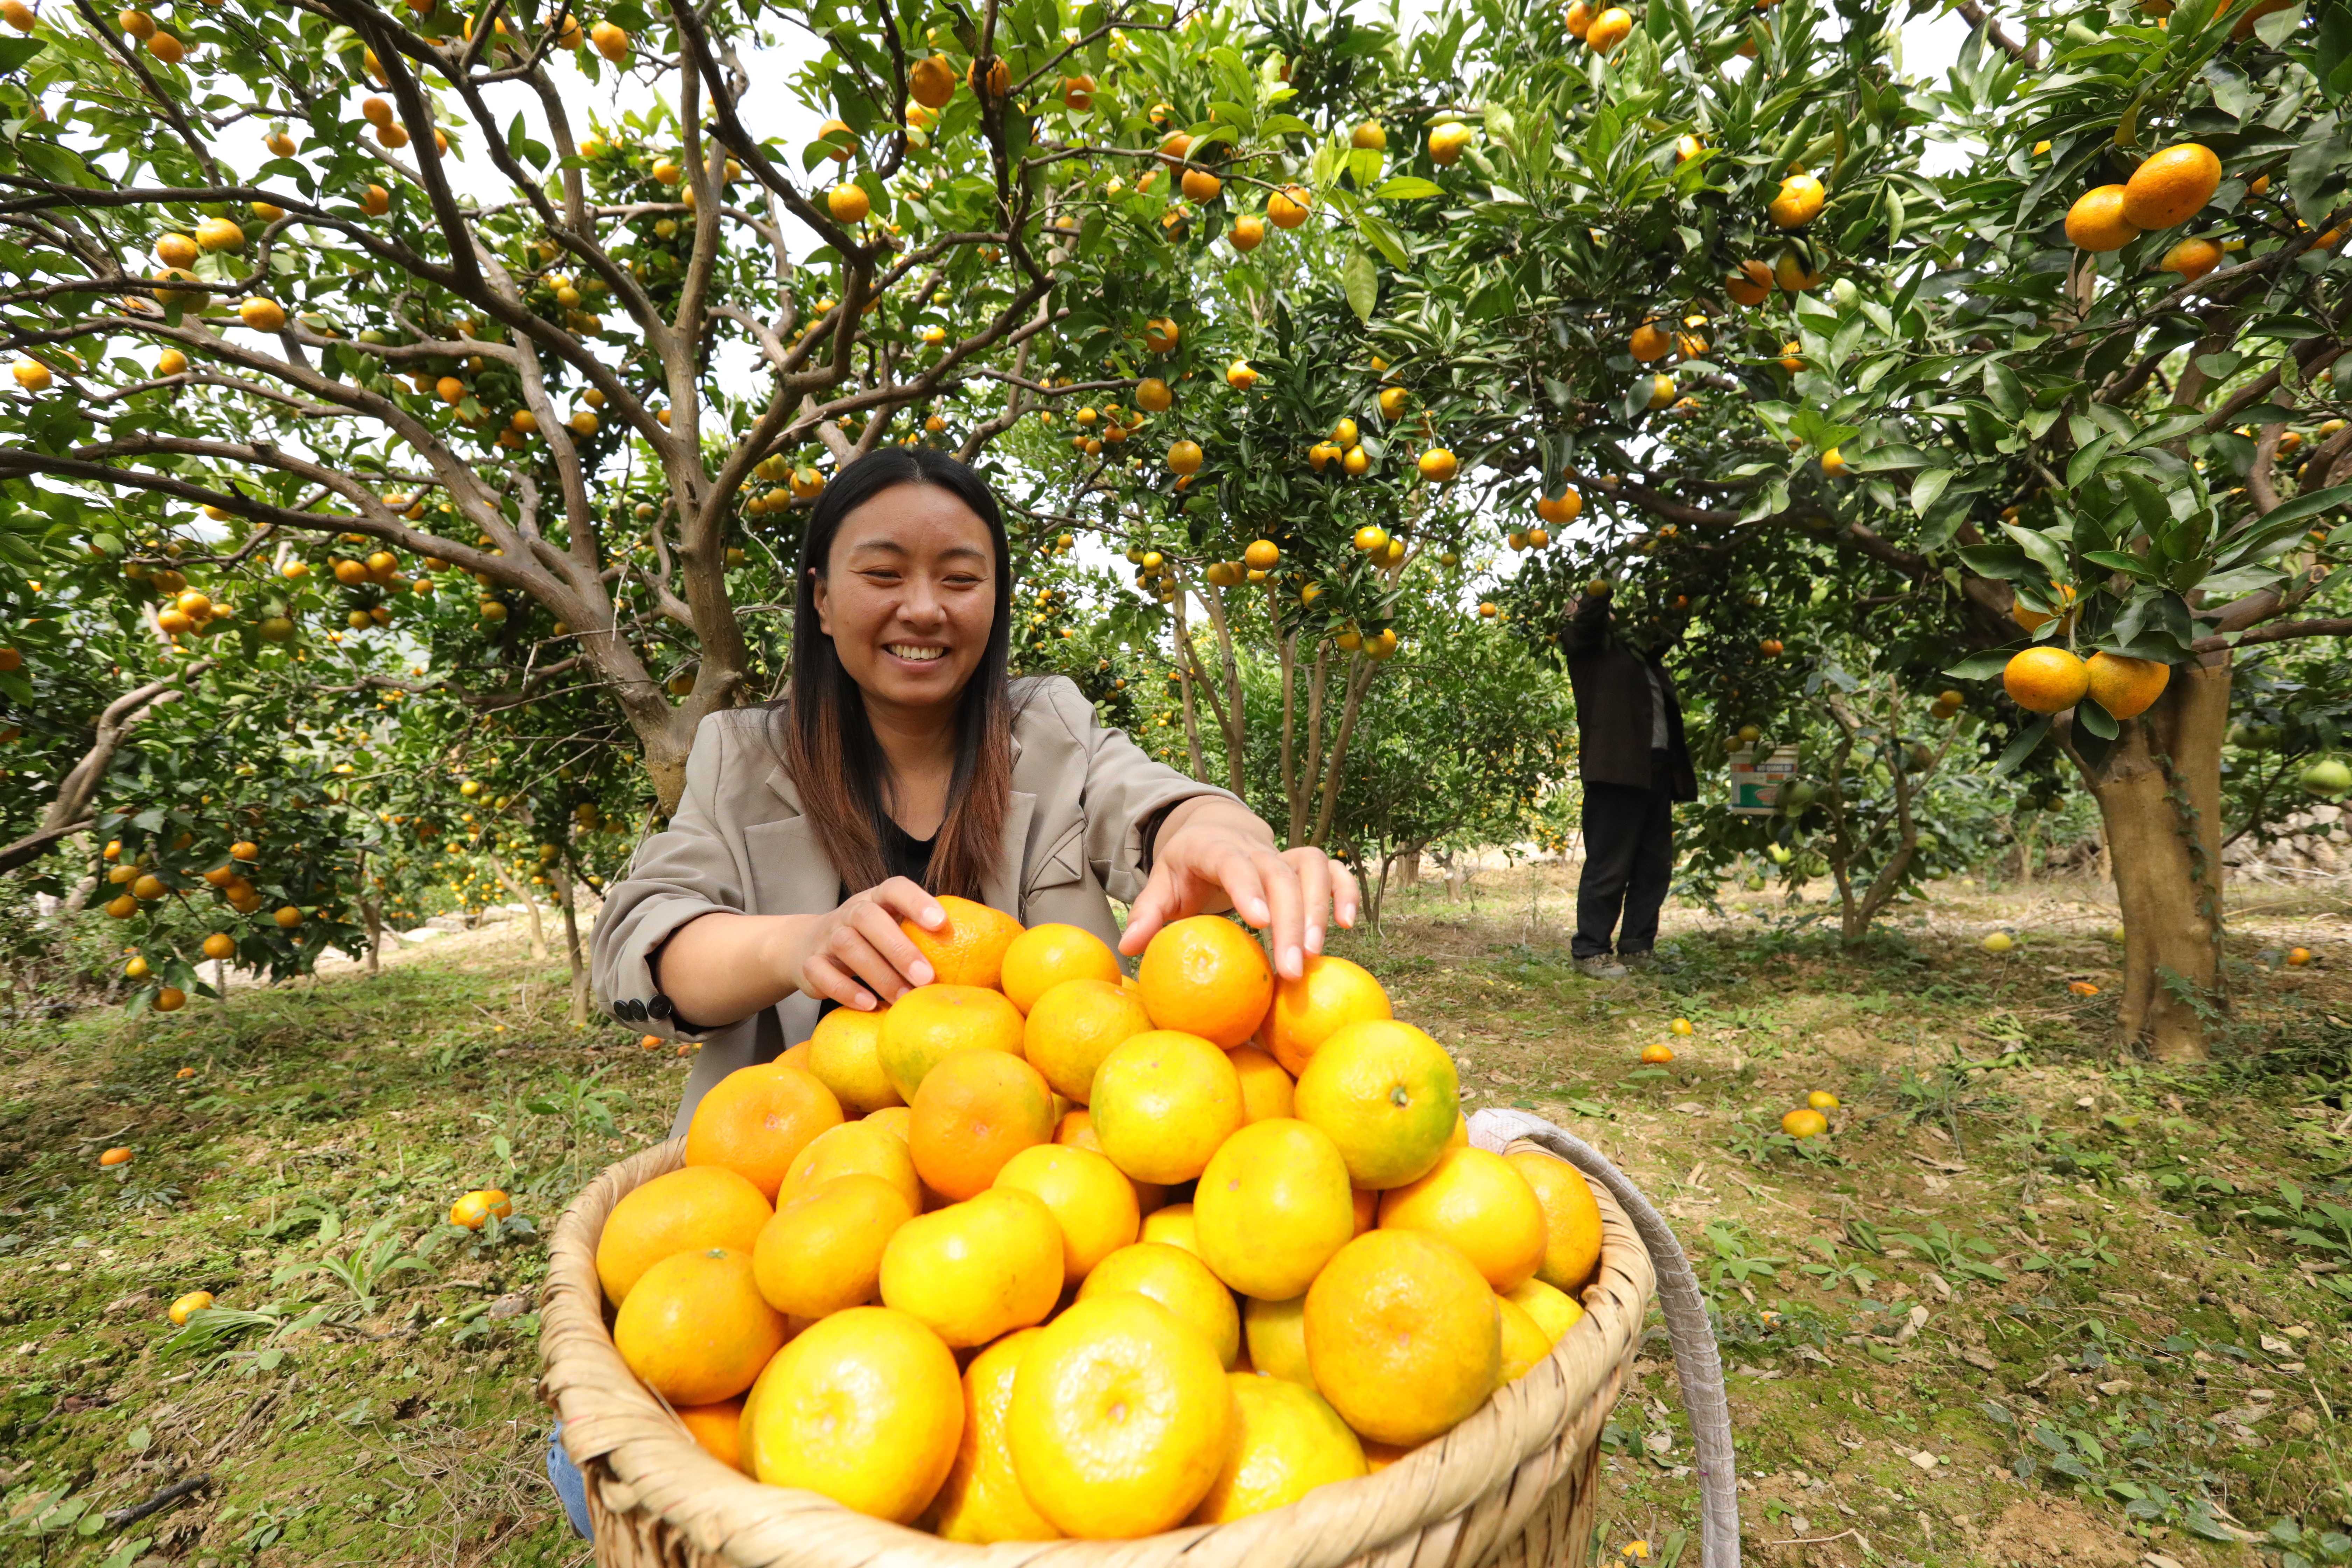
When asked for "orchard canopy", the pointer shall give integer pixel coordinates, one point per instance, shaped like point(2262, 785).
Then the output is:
point(414, 409)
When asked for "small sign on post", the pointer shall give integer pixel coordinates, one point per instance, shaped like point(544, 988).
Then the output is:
point(1756, 784)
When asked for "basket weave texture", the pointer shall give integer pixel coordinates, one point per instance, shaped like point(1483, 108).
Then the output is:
point(1513, 1486)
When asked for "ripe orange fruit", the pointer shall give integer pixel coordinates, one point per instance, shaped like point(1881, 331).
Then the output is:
point(2124, 686)
point(1045, 956)
point(1092, 1202)
point(1403, 1335)
point(1177, 1281)
point(2297, 957)
point(1289, 1442)
point(823, 1252)
point(931, 81)
point(1750, 285)
point(975, 1110)
point(2171, 186)
point(1608, 30)
point(844, 1052)
point(1571, 1219)
point(186, 1306)
point(1120, 1419)
point(1554, 1310)
point(1266, 1090)
point(1798, 202)
point(1524, 1341)
point(1650, 341)
point(864, 1408)
point(1327, 993)
point(976, 1270)
point(874, 1147)
point(696, 1328)
point(2096, 221)
point(1074, 1026)
point(1171, 1226)
point(1288, 207)
point(1206, 976)
point(1388, 1095)
point(1272, 1208)
point(1657, 1053)
point(981, 1500)
point(757, 1120)
point(1274, 1335)
point(1162, 1102)
point(689, 1210)
point(1076, 1130)
point(717, 1429)
point(474, 1210)
point(929, 1021)
point(1479, 1202)
point(2192, 258)
point(2045, 680)
point(969, 948)
point(1804, 1123)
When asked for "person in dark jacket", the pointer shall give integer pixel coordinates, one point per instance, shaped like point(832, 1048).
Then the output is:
point(1635, 765)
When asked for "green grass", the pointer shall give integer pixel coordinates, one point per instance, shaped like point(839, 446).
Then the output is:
point(2109, 1299)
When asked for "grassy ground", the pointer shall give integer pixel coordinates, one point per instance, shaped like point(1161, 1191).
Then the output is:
point(2027, 1304)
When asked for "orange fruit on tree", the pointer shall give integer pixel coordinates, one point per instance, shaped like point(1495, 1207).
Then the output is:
point(1076, 1130)
point(1524, 1341)
point(2045, 680)
point(2033, 620)
point(1172, 1226)
point(1162, 1102)
point(1554, 1310)
point(1328, 992)
point(1289, 1442)
point(1177, 1281)
point(1092, 1202)
point(688, 1210)
point(1798, 202)
point(981, 1500)
point(1650, 341)
point(873, 1147)
point(1288, 207)
point(1272, 1208)
point(1074, 1026)
point(696, 1328)
point(1609, 29)
point(2172, 185)
point(1571, 1219)
point(1266, 1090)
point(1045, 956)
point(757, 1120)
point(822, 1252)
point(2096, 222)
point(1403, 1335)
point(1750, 284)
point(975, 1110)
point(1206, 976)
point(864, 1408)
point(717, 1429)
point(1475, 1200)
point(2124, 686)
point(1388, 1095)
point(844, 1053)
point(929, 1021)
point(931, 81)
point(976, 1270)
point(2192, 258)
point(969, 947)
point(1274, 1335)
point(1120, 1419)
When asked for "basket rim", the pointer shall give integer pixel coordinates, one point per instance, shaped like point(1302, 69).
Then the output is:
point(612, 1422)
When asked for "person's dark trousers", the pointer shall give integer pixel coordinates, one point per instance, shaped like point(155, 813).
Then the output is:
point(1629, 860)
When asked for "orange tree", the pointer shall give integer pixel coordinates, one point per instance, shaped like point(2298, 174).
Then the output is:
point(2042, 400)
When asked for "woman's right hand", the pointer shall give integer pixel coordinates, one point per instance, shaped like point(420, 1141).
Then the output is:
point(857, 953)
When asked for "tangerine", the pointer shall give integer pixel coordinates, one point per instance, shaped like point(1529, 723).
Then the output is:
point(1554, 1310)
point(821, 1253)
point(1162, 1102)
point(969, 947)
point(873, 1147)
point(976, 1270)
point(1266, 1090)
point(2171, 186)
point(2045, 680)
point(864, 1408)
point(717, 1429)
point(1329, 993)
point(1076, 1130)
point(1272, 1208)
point(1403, 1335)
point(688, 1210)
point(975, 1110)
point(981, 1500)
point(1045, 956)
point(1387, 1094)
point(696, 1328)
point(1206, 976)
point(1524, 1339)
point(1092, 1202)
point(2096, 222)
point(1173, 1226)
point(1571, 1219)
point(756, 1121)
point(1073, 1026)
point(1177, 1281)
point(1477, 1201)
point(2124, 686)
point(1289, 1441)
point(929, 1021)
point(844, 1052)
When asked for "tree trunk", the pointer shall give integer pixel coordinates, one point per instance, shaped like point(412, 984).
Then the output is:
point(1409, 869)
point(2159, 795)
point(572, 949)
point(530, 906)
point(374, 918)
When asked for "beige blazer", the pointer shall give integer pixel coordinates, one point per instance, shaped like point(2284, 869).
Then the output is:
point(1082, 794)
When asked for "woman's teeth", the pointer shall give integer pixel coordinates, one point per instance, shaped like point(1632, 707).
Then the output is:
point(919, 655)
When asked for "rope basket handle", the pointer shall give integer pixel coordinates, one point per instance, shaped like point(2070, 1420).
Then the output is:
point(1697, 1361)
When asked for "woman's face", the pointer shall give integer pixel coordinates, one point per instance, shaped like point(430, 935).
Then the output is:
point(908, 595)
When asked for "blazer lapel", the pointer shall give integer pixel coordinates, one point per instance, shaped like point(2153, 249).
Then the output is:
point(788, 870)
point(1003, 890)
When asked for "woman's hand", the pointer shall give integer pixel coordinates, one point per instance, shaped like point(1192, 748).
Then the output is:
point(1212, 854)
point(857, 952)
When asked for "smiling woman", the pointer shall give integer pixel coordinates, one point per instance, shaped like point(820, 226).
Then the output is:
point(904, 766)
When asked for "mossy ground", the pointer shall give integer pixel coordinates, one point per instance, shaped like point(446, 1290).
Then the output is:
point(2030, 1302)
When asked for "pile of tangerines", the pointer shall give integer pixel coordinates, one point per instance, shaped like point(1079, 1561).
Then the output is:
point(1042, 1250)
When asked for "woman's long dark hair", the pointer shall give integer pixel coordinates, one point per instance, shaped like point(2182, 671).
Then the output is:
point(828, 742)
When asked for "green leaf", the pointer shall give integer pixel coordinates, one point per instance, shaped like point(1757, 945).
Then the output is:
point(1407, 188)
point(1362, 281)
point(2022, 747)
point(1979, 666)
point(1929, 488)
point(15, 52)
point(2089, 715)
point(1386, 237)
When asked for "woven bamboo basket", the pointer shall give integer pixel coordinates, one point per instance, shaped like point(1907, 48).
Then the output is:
point(1513, 1486)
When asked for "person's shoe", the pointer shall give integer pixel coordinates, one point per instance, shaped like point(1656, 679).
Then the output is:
point(1641, 958)
point(1597, 967)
